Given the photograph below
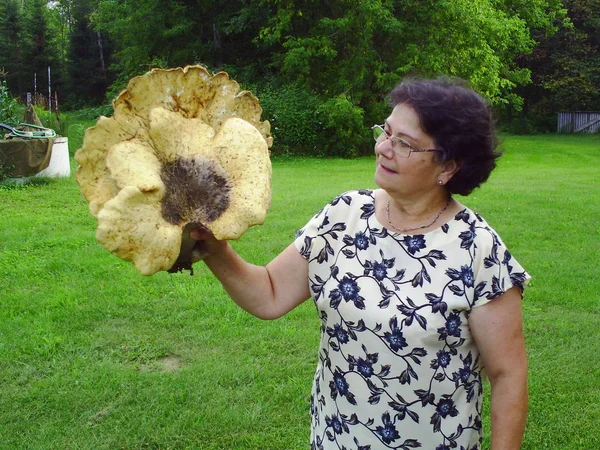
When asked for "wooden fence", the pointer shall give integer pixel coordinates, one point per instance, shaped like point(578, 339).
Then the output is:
point(578, 122)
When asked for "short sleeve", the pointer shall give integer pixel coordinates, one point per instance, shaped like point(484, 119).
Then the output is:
point(329, 221)
point(495, 269)
point(306, 236)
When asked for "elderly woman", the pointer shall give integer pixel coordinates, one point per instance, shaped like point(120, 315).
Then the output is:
point(416, 293)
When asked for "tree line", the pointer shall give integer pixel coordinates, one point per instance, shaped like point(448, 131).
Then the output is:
point(321, 68)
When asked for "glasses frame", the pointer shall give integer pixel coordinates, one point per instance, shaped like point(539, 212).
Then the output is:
point(379, 130)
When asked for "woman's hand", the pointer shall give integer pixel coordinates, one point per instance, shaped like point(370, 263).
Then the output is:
point(206, 244)
point(197, 243)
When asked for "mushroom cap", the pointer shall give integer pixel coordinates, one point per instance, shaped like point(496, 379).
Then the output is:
point(183, 149)
point(192, 92)
point(131, 227)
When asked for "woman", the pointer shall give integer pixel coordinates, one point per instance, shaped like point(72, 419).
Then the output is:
point(416, 293)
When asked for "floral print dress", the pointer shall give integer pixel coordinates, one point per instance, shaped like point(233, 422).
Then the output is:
point(398, 367)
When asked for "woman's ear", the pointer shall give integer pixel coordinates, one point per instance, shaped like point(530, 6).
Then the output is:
point(449, 169)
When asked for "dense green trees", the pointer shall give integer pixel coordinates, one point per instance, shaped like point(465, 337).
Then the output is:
point(351, 53)
point(565, 68)
point(12, 54)
point(337, 58)
point(89, 51)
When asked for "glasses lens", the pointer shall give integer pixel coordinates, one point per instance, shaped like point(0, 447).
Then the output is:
point(401, 147)
point(378, 133)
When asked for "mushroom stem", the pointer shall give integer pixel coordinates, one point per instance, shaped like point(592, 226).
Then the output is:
point(190, 251)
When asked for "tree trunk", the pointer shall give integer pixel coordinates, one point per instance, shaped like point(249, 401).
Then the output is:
point(218, 46)
point(101, 51)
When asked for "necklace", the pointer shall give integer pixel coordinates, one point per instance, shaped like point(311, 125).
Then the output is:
point(403, 230)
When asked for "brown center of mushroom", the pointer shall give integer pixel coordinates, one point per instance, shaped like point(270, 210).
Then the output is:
point(197, 190)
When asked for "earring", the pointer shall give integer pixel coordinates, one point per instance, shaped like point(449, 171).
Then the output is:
point(440, 182)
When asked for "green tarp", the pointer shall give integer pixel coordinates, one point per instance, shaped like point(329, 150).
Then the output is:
point(24, 157)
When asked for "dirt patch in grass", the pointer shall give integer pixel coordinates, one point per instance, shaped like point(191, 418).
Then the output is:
point(170, 363)
point(99, 416)
point(165, 364)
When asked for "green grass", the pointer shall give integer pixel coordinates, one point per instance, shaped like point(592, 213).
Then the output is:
point(95, 356)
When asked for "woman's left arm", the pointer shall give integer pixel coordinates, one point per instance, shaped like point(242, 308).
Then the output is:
point(497, 328)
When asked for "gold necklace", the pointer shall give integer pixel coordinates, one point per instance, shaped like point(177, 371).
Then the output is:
point(404, 230)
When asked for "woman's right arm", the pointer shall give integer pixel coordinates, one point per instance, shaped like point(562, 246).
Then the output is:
point(266, 292)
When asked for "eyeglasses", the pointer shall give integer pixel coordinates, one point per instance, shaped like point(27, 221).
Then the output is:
point(399, 145)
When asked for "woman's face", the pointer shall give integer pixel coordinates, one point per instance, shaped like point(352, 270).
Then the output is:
point(406, 177)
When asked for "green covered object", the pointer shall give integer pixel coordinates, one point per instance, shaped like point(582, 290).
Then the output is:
point(24, 157)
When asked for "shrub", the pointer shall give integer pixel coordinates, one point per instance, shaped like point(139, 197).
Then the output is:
point(305, 123)
point(9, 107)
point(49, 119)
point(343, 132)
point(93, 113)
point(523, 124)
point(291, 109)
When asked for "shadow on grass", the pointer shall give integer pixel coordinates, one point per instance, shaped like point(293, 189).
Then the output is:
point(18, 183)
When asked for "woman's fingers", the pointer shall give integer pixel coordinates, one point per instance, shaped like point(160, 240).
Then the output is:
point(200, 234)
point(206, 243)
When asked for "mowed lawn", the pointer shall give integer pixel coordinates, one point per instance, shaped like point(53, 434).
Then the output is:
point(95, 356)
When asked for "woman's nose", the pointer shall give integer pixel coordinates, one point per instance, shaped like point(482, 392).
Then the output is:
point(384, 148)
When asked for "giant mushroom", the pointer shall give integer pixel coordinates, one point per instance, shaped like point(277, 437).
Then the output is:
point(184, 149)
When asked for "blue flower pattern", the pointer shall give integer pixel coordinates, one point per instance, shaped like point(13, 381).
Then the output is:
point(397, 366)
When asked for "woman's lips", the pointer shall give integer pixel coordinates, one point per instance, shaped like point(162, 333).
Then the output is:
point(385, 169)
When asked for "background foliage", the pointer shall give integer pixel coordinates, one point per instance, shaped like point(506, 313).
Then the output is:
point(336, 59)
point(9, 108)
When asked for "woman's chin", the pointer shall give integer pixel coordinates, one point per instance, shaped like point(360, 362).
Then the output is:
point(382, 182)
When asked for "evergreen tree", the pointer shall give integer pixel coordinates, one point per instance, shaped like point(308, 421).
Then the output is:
point(89, 50)
point(38, 55)
point(154, 33)
point(11, 51)
point(60, 20)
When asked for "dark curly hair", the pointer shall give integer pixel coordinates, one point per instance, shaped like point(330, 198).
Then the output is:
point(461, 123)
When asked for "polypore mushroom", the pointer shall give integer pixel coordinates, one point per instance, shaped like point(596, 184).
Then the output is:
point(183, 150)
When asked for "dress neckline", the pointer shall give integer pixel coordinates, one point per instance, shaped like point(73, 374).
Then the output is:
point(393, 232)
